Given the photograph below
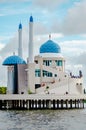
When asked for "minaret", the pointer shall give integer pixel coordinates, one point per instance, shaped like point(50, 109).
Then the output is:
point(31, 65)
point(30, 54)
point(20, 41)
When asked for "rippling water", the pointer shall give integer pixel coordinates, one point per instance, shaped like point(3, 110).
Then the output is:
point(43, 120)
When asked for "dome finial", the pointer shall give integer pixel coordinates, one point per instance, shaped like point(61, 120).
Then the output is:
point(49, 36)
point(13, 53)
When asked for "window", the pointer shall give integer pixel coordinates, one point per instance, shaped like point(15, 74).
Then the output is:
point(58, 62)
point(44, 62)
point(37, 86)
point(36, 61)
point(44, 73)
point(37, 73)
point(55, 75)
point(47, 74)
point(47, 62)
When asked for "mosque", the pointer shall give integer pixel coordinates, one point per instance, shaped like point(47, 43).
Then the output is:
point(42, 74)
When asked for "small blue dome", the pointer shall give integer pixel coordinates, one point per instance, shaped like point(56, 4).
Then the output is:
point(12, 60)
point(20, 26)
point(50, 47)
point(31, 18)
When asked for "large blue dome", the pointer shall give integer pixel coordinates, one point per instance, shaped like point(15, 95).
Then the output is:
point(12, 60)
point(50, 47)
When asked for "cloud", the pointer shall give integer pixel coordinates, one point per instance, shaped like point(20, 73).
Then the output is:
point(80, 59)
point(75, 20)
point(1, 46)
point(73, 47)
point(5, 1)
point(48, 4)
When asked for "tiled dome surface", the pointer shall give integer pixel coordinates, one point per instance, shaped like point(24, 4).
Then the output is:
point(50, 47)
point(12, 60)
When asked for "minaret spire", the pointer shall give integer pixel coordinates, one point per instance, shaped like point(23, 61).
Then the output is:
point(20, 40)
point(30, 55)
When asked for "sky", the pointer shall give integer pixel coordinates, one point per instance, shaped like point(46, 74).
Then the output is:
point(65, 20)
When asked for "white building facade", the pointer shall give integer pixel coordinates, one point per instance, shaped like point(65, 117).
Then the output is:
point(44, 73)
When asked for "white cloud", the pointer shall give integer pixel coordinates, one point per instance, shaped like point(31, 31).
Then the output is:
point(48, 4)
point(5, 1)
point(73, 47)
point(75, 20)
point(1, 46)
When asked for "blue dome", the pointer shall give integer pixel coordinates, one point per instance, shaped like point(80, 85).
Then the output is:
point(31, 18)
point(12, 60)
point(20, 26)
point(50, 47)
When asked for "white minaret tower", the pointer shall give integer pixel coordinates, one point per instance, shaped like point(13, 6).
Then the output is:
point(31, 65)
point(31, 56)
point(20, 40)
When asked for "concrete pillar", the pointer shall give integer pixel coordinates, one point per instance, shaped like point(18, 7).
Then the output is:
point(53, 104)
point(20, 104)
point(71, 104)
point(29, 104)
point(49, 104)
point(62, 104)
point(78, 103)
point(39, 104)
point(35, 104)
point(83, 102)
point(7, 105)
point(13, 105)
point(75, 103)
point(43, 104)
point(32, 104)
point(23, 104)
point(66, 103)
point(57, 104)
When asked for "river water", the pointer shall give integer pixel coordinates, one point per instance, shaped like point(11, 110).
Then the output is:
point(43, 119)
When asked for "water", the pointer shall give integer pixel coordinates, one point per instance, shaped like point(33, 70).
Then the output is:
point(43, 120)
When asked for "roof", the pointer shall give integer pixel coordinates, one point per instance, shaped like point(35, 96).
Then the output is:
point(13, 60)
point(31, 18)
point(50, 47)
point(20, 26)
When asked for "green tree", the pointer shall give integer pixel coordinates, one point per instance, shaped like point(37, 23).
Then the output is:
point(3, 90)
